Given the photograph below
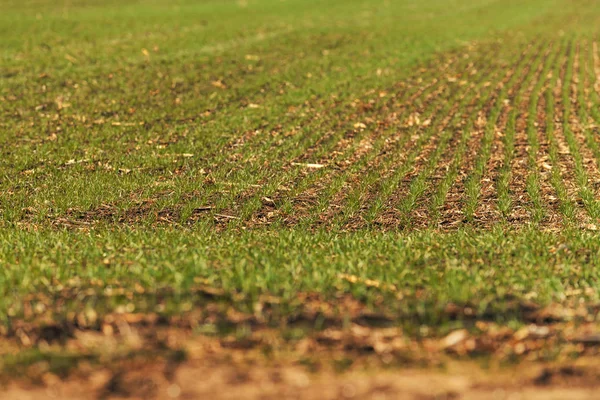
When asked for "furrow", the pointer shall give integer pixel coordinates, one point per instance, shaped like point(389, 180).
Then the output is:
point(440, 165)
point(577, 135)
point(379, 169)
point(491, 176)
point(306, 185)
point(310, 204)
point(397, 146)
point(445, 207)
point(557, 163)
point(266, 177)
point(514, 162)
point(572, 169)
point(534, 185)
point(391, 205)
point(585, 124)
point(524, 188)
point(544, 212)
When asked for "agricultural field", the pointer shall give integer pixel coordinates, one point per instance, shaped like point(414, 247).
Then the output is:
point(259, 199)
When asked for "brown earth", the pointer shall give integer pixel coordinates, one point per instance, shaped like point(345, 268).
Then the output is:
point(377, 152)
point(326, 349)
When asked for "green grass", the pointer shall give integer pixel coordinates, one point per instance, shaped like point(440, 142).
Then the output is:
point(150, 149)
point(534, 178)
point(464, 267)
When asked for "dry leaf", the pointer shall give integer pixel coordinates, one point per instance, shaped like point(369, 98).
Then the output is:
point(454, 338)
point(308, 165)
